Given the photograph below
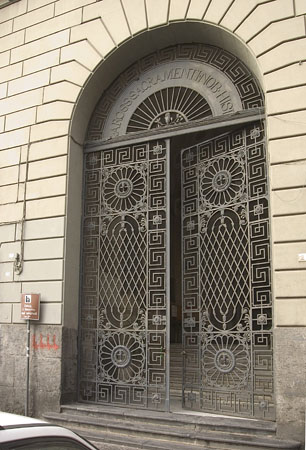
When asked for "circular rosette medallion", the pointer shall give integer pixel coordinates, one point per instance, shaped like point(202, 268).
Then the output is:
point(225, 361)
point(222, 181)
point(121, 357)
point(124, 188)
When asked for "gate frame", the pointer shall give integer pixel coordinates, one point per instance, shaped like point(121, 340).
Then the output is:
point(241, 118)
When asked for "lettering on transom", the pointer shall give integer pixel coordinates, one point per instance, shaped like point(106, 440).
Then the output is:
point(209, 82)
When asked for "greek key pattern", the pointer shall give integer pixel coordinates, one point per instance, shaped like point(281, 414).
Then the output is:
point(124, 277)
point(245, 83)
point(227, 310)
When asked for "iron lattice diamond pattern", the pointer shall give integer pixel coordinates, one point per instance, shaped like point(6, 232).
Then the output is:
point(123, 269)
point(227, 310)
point(225, 286)
point(124, 277)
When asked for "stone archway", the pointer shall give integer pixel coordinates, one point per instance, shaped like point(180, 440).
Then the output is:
point(171, 87)
point(141, 95)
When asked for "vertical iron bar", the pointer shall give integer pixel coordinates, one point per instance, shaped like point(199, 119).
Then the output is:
point(246, 163)
point(182, 282)
point(168, 237)
point(147, 280)
point(80, 331)
point(28, 370)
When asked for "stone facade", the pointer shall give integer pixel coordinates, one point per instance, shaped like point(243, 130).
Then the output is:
point(56, 59)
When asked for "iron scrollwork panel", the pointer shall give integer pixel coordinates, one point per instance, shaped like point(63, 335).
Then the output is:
point(124, 308)
point(227, 309)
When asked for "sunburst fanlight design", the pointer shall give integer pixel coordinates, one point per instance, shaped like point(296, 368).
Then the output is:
point(169, 106)
point(226, 361)
point(222, 181)
point(124, 188)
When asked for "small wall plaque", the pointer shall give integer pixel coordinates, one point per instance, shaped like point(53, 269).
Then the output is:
point(30, 306)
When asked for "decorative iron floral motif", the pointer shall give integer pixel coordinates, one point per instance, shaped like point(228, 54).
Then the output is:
point(168, 118)
point(222, 181)
point(121, 357)
point(225, 360)
point(124, 188)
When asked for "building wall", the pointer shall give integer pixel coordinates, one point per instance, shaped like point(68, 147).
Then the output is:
point(55, 59)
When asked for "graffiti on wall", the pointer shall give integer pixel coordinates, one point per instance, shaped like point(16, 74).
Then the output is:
point(44, 342)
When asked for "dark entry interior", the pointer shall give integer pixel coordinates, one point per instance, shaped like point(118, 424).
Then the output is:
point(175, 245)
point(179, 143)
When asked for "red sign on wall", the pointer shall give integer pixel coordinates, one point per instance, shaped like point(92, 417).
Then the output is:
point(30, 304)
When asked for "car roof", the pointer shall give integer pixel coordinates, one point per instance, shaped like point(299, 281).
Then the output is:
point(14, 428)
point(13, 420)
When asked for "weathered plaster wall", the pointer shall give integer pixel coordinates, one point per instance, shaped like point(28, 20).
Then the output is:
point(56, 54)
point(45, 363)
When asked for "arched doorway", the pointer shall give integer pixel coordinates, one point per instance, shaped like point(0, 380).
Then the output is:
point(185, 113)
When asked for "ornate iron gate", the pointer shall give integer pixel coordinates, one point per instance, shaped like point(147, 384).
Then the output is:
point(227, 310)
point(124, 307)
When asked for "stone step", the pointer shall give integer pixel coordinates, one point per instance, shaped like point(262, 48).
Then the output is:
point(137, 443)
point(185, 418)
point(176, 390)
point(175, 376)
point(180, 364)
point(154, 444)
point(176, 370)
point(176, 380)
point(176, 393)
point(214, 432)
point(176, 387)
